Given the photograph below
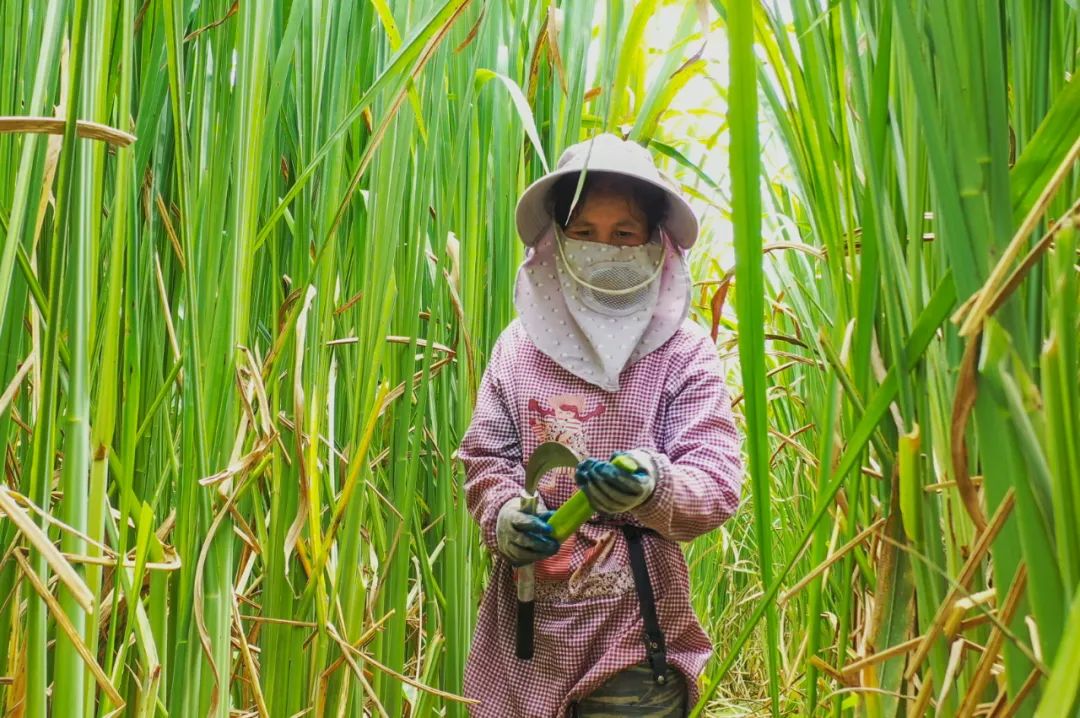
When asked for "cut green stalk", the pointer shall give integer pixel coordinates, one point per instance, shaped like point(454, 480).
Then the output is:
point(577, 510)
point(571, 516)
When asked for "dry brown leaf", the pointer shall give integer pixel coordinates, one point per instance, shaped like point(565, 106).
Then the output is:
point(64, 571)
point(65, 625)
point(963, 403)
point(55, 126)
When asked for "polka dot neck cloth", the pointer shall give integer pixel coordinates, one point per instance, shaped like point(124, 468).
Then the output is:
point(588, 334)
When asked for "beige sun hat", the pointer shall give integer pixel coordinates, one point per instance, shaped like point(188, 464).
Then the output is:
point(605, 153)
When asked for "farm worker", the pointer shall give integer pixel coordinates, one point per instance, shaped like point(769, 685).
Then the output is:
point(603, 359)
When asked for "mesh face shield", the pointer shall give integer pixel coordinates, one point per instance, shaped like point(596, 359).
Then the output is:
point(616, 288)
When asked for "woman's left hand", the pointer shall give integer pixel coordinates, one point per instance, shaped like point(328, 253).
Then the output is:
point(612, 489)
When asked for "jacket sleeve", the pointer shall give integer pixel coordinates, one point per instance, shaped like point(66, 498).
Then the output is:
point(491, 452)
point(699, 475)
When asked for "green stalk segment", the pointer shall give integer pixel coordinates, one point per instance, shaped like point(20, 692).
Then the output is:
point(569, 517)
point(624, 462)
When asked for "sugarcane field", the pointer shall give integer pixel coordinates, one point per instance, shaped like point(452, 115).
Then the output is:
point(540, 358)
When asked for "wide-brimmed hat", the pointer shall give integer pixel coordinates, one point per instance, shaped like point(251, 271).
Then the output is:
point(605, 153)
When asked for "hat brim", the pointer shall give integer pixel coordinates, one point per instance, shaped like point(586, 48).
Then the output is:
point(534, 218)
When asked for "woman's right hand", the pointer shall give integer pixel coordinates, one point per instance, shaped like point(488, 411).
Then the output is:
point(523, 537)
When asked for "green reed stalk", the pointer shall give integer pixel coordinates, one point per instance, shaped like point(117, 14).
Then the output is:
point(749, 280)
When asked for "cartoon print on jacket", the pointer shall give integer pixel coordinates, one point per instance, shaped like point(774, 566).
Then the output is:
point(562, 418)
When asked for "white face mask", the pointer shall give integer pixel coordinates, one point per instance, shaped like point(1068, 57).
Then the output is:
point(612, 280)
point(611, 293)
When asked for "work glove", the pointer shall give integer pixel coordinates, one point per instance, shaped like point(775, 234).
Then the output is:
point(612, 489)
point(523, 537)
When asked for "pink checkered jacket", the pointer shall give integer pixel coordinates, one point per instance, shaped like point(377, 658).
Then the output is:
point(673, 405)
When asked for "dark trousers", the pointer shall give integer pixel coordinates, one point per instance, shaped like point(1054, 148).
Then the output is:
point(633, 693)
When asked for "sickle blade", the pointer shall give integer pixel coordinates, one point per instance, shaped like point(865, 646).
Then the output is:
point(547, 456)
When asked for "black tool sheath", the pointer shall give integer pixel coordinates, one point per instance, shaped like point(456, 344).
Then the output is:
point(524, 647)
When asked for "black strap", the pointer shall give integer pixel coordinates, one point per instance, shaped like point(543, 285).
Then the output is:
point(655, 648)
